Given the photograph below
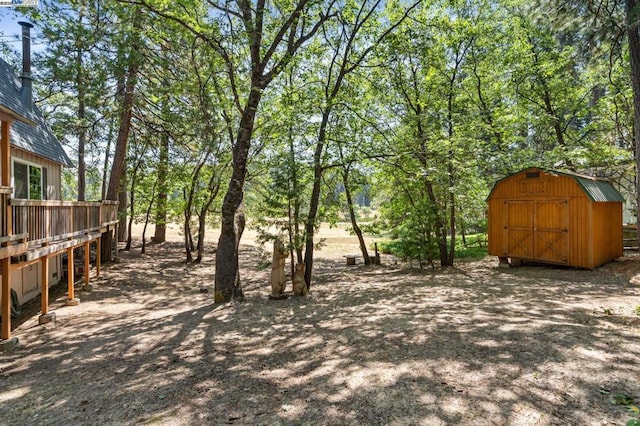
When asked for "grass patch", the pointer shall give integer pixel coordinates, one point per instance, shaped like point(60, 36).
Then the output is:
point(474, 248)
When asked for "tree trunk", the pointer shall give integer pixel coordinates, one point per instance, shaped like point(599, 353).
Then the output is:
point(81, 124)
point(463, 228)
point(315, 196)
point(288, 38)
point(226, 254)
point(188, 211)
point(202, 223)
point(295, 197)
point(434, 208)
point(132, 199)
point(118, 165)
point(103, 192)
point(214, 188)
point(450, 170)
point(122, 212)
point(290, 232)
point(551, 112)
point(452, 226)
point(187, 224)
point(440, 227)
point(633, 14)
point(352, 215)
point(107, 150)
point(160, 234)
point(240, 223)
point(146, 220)
point(119, 156)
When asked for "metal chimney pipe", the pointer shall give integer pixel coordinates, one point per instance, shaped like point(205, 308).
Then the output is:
point(26, 92)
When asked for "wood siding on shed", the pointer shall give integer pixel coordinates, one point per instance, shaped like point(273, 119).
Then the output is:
point(542, 216)
point(607, 232)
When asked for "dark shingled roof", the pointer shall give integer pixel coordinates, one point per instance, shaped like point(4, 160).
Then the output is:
point(37, 139)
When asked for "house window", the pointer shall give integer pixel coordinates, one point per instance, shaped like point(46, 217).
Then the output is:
point(29, 181)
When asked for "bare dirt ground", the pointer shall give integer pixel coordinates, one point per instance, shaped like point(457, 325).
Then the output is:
point(378, 345)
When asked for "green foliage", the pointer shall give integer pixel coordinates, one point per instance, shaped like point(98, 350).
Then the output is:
point(409, 244)
point(622, 399)
point(475, 248)
point(424, 121)
point(628, 401)
point(635, 412)
point(277, 201)
point(410, 249)
point(279, 181)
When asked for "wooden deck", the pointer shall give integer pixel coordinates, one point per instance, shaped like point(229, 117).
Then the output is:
point(32, 231)
point(630, 240)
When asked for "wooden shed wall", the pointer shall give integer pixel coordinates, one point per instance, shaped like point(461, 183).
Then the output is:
point(607, 232)
point(549, 204)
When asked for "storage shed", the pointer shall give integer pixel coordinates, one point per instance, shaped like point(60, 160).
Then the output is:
point(555, 217)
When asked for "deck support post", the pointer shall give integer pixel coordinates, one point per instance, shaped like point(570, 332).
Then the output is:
point(5, 180)
point(87, 258)
point(6, 299)
point(115, 236)
point(45, 317)
point(71, 300)
point(44, 298)
point(98, 255)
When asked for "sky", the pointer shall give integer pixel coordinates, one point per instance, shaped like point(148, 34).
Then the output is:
point(9, 27)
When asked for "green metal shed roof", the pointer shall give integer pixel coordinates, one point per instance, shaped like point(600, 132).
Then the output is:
point(599, 191)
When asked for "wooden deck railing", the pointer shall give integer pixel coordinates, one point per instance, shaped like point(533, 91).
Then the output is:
point(49, 220)
point(5, 194)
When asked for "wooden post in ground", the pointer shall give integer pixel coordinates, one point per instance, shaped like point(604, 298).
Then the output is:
point(46, 316)
point(5, 180)
point(71, 300)
point(87, 258)
point(98, 254)
point(115, 236)
point(6, 299)
point(44, 292)
point(376, 255)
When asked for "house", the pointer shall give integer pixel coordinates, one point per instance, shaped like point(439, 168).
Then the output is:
point(555, 217)
point(36, 227)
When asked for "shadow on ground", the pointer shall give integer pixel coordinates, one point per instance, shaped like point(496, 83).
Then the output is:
point(369, 345)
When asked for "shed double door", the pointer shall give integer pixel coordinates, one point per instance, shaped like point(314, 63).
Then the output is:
point(537, 230)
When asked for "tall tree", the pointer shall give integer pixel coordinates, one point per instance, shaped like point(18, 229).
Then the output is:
point(633, 36)
point(160, 234)
point(351, 40)
point(132, 64)
point(74, 67)
point(607, 24)
point(272, 36)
